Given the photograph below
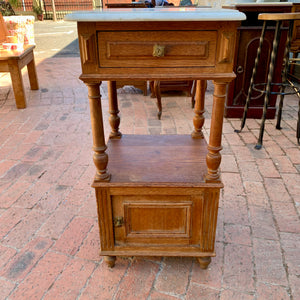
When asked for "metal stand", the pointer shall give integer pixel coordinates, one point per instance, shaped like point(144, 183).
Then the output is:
point(266, 88)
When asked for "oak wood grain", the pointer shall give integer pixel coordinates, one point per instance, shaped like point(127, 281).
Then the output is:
point(162, 196)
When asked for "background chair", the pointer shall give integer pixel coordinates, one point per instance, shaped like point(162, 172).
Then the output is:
point(270, 87)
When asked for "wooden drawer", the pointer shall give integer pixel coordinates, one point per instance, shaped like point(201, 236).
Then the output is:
point(135, 48)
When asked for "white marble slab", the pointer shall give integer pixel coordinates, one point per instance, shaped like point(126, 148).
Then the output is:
point(258, 3)
point(157, 14)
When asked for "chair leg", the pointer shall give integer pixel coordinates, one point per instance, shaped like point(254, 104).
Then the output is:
point(279, 114)
point(268, 87)
point(151, 84)
point(254, 71)
point(284, 78)
point(193, 93)
point(298, 121)
point(298, 124)
point(158, 97)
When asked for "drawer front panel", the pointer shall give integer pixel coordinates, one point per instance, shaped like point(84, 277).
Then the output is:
point(157, 219)
point(157, 48)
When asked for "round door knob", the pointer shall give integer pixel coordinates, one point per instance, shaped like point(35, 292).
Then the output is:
point(240, 69)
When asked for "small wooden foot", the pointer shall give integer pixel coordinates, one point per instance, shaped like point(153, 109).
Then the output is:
point(204, 261)
point(110, 261)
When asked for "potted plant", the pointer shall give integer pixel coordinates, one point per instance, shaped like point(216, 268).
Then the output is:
point(6, 7)
point(37, 9)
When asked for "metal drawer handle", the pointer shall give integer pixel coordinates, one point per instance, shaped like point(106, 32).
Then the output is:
point(158, 51)
point(240, 69)
point(118, 221)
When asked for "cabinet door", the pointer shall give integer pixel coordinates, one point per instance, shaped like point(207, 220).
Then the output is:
point(165, 219)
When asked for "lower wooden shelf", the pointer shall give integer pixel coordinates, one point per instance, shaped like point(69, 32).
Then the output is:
point(157, 202)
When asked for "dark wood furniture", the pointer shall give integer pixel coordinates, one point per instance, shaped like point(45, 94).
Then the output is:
point(246, 47)
point(270, 87)
point(157, 195)
point(157, 87)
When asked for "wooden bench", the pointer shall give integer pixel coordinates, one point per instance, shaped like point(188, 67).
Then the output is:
point(13, 62)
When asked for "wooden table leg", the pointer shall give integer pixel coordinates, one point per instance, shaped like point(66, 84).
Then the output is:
point(17, 83)
point(100, 157)
point(114, 118)
point(199, 109)
point(34, 85)
point(158, 97)
point(213, 158)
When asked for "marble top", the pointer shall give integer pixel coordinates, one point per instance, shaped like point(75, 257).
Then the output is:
point(157, 14)
point(258, 3)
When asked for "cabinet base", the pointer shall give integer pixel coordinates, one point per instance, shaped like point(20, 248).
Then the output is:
point(110, 261)
point(203, 261)
point(156, 205)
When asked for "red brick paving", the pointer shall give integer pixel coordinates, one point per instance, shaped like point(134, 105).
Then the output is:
point(48, 225)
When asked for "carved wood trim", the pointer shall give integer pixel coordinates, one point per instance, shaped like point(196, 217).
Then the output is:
point(88, 47)
point(226, 53)
point(105, 219)
point(210, 214)
point(162, 209)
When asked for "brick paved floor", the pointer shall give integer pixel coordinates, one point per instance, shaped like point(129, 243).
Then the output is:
point(48, 223)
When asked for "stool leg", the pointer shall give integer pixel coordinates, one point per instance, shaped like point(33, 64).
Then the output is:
point(269, 81)
point(298, 124)
point(285, 72)
point(261, 40)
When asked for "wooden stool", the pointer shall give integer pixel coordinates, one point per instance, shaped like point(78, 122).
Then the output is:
point(266, 88)
point(13, 62)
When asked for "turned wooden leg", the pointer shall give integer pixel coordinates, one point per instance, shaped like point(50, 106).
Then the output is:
point(158, 97)
point(204, 261)
point(199, 109)
point(114, 118)
point(110, 261)
point(99, 146)
point(213, 158)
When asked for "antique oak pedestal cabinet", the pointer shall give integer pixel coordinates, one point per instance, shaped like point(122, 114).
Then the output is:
point(157, 195)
